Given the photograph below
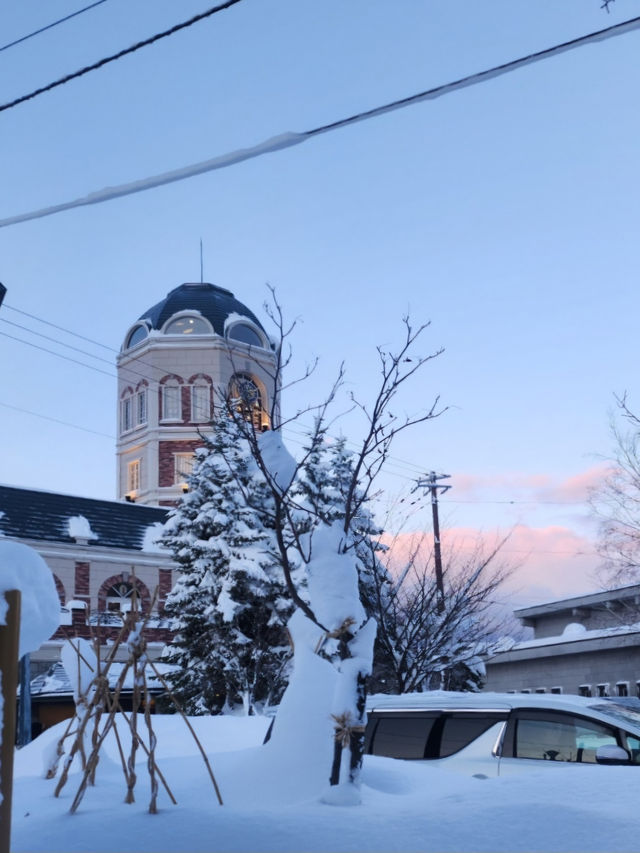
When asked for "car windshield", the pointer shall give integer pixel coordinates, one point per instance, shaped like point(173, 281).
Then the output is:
point(625, 713)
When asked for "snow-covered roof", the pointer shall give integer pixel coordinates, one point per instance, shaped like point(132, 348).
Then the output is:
point(47, 516)
point(572, 635)
point(578, 602)
point(210, 301)
point(55, 680)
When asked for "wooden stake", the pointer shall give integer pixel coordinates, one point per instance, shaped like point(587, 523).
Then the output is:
point(9, 645)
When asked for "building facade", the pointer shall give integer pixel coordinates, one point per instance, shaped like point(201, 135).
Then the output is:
point(588, 645)
point(179, 363)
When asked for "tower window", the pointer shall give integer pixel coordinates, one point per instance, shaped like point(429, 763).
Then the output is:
point(188, 326)
point(126, 414)
point(171, 402)
point(133, 476)
point(246, 398)
point(245, 334)
point(200, 403)
point(182, 467)
point(138, 334)
point(141, 407)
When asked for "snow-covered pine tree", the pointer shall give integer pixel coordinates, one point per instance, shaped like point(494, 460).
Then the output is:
point(229, 607)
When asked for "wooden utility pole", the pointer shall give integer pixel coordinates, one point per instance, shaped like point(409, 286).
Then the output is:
point(432, 485)
point(9, 645)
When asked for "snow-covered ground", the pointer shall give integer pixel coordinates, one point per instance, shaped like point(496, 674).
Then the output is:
point(270, 804)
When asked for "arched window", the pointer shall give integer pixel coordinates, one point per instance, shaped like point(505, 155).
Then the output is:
point(141, 403)
point(171, 401)
point(188, 326)
point(245, 334)
point(200, 402)
point(246, 398)
point(137, 335)
point(119, 597)
point(126, 410)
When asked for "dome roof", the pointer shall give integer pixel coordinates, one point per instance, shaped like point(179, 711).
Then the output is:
point(212, 302)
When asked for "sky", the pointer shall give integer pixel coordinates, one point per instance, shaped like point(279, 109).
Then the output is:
point(505, 215)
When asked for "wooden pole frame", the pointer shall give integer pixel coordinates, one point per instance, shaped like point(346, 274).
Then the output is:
point(9, 647)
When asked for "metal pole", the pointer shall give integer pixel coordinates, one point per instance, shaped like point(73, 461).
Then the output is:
point(9, 644)
point(24, 703)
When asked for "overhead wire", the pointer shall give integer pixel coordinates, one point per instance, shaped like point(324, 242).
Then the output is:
point(57, 420)
point(403, 464)
point(407, 470)
point(125, 52)
point(287, 140)
point(51, 25)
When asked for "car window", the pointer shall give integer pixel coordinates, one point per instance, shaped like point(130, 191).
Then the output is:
point(633, 747)
point(401, 736)
point(460, 730)
point(560, 737)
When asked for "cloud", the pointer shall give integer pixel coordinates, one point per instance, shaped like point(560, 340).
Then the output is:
point(549, 562)
point(520, 486)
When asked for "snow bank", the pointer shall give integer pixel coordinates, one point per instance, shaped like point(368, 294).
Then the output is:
point(23, 568)
point(407, 806)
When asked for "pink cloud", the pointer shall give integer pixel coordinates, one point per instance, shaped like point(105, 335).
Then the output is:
point(549, 562)
point(578, 487)
point(522, 487)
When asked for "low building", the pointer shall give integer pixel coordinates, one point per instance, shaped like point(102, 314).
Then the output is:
point(588, 645)
point(101, 554)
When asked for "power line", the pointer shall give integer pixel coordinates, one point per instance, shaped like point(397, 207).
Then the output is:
point(56, 341)
point(56, 421)
point(125, 52)
point(50, 26)
point(60, 328)
point(288, 140)
point(407, 470)
point(58, 354)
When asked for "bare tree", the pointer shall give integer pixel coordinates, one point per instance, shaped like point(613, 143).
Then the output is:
point(328, 550)
point(427, 641)
point(616, 503)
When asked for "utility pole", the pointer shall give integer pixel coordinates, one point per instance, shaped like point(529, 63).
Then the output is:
point(432, 485)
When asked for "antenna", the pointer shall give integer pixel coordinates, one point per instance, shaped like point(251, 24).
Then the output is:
point(201, 264)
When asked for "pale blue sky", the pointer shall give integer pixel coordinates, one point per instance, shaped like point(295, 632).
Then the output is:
point(506, 214)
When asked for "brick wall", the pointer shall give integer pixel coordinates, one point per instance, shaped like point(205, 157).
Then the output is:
point(166, 464)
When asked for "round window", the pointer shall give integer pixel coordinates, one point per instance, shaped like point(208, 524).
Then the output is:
point(138, 334)
point(188, 326)
point(245, 334)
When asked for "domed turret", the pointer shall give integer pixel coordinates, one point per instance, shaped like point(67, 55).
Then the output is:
point(179, 361)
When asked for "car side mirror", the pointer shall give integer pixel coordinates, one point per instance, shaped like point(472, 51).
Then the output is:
point(612, 754)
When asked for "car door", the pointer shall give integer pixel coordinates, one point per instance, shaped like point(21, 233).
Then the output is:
point(539, 739)
point(469, 740)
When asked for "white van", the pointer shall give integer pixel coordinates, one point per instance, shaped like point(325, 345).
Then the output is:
point(491, 734)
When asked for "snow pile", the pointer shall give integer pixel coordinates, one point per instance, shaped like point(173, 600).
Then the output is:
point(279, 462)
point(78, 528)
point(23, 568)
point(574, 629)
point(150, 539)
